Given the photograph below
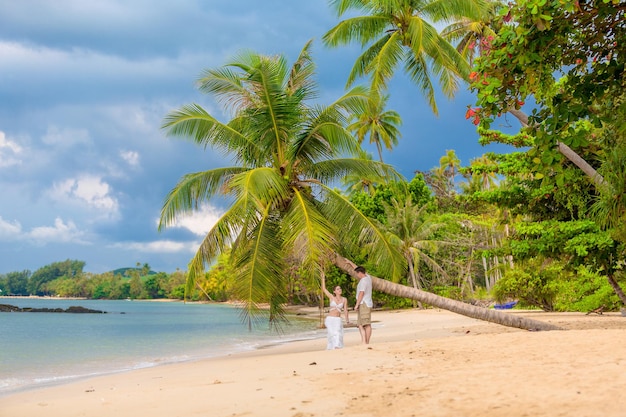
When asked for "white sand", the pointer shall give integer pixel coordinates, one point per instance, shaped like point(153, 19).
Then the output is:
point(420, 363)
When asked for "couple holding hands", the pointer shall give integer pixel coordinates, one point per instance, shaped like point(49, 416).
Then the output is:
point(339, 306)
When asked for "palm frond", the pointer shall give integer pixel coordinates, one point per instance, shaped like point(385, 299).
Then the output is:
point(192, 121)
point(364, 61)
point(225, 84)
point(362, 29)
point(332, 170)
point(358, 229)
point(382, 67)
point(300, 76)
point(342, 6)
point(306, 231)
point(192, 190)
point(451, 10)
point(263, 187)
point(259, 269)
point(417, 69)
point(218, 240)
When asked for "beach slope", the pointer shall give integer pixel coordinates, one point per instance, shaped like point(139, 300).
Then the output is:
point(420, 363)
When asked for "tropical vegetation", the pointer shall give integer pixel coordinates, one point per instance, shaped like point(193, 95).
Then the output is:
point(543, 224)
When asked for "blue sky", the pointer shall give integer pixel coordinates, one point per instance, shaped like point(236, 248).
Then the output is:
point(84, 87)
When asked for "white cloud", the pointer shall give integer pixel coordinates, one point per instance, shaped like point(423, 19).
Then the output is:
point(131, 157)
point(65, 137)
point(200, 222)
point(87, 189)
point(159, 246)
point(9, 151)
point(9, 229)
point(61, 232)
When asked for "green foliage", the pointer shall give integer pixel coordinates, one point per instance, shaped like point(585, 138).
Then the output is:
point(587, 291)
point(553, 286)
point(580, 242)
point(403, 33)
point(535, 284)
point(43, 275)
point(373, 204)
point(570, 57)
point(454, 293)
point(15, 283)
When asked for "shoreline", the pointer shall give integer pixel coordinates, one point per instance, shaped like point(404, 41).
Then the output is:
point(421, 362)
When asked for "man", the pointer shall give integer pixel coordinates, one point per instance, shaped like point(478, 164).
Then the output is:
point(364, 304)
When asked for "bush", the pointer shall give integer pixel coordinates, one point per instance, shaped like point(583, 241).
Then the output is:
point(534, 283)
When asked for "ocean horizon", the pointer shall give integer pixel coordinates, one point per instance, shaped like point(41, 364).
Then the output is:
point(42, 349)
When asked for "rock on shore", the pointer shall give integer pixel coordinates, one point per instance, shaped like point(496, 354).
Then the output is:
point(8, 308)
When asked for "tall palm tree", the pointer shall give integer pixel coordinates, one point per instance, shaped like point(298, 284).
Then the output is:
point(287, 154)
point(382, 126)
point(395, 32)
point(410, 229)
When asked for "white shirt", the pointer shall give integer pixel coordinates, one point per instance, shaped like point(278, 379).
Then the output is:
point(365, 285)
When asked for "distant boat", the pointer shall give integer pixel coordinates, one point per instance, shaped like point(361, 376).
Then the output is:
point(505, 306)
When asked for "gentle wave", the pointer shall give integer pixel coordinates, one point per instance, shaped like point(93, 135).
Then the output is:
point(43, 349)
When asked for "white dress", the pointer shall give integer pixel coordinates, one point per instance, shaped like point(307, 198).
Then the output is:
point(334, 327)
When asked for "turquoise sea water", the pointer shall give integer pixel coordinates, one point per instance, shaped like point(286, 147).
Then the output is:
point(38, 349)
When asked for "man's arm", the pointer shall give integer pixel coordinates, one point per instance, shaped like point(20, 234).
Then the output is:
point(359, 299)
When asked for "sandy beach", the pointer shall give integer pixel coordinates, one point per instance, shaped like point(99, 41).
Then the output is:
point(420, 363)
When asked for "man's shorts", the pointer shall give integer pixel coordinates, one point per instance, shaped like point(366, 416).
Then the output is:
point(364, 316)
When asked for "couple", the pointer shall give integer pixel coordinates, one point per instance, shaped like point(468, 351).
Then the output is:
point(339, 304)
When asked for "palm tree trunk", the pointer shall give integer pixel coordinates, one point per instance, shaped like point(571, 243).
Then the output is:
point(416, 303)
point(618, 290)
point(566, 151)
point(480, 313)
point(487, 280)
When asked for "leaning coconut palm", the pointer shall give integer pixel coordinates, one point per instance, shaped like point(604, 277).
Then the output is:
point(288, 153)
point(395, 32)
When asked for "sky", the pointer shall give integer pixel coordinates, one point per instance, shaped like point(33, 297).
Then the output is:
point(84, 88)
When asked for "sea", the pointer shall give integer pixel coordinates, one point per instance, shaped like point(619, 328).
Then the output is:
point(42, 349)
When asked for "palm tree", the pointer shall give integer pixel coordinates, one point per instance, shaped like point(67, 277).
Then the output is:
point(287, 155)
point(356, 184)
point(410, 229)
point(402, 31)
point(471, 35)
point(480, 313)
point(481, 175)
point(379, 124)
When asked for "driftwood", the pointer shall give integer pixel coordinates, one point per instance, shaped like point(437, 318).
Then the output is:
point(598, 311)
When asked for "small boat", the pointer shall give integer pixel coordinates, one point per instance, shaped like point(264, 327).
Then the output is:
point(505, 306)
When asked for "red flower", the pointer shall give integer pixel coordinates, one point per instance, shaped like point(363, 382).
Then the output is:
point(473, 75)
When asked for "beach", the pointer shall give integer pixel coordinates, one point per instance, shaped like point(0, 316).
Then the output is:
point(420, 363)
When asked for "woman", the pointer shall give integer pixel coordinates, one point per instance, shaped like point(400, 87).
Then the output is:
point(338, 305)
